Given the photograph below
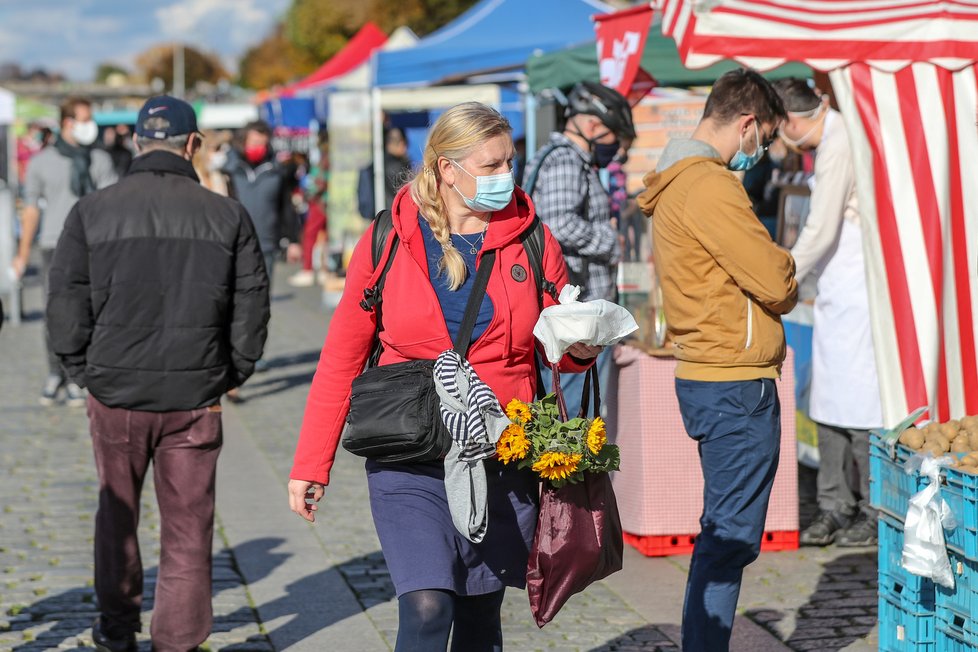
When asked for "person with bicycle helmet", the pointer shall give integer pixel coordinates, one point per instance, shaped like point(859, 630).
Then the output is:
point(563, 181)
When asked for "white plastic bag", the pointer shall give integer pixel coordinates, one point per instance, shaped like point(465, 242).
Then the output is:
point(598, 323)
point(928, 516)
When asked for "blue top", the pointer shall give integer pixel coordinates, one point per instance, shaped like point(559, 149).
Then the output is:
point(453, 303)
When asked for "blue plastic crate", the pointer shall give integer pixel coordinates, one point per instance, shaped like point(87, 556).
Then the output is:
point(960, 625)
point(902, 630)
point(949, 642)
point(963, 598)
point(961, 493)
point(911, 592)
point(890, 487)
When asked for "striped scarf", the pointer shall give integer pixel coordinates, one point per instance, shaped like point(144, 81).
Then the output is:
point(469, 409)
point(475, 421)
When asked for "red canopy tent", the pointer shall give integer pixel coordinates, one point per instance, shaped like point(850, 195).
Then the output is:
point(355, 52)
point(903, 72)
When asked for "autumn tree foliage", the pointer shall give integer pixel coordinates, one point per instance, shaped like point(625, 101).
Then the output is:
point(275, 61)
point(199, 66)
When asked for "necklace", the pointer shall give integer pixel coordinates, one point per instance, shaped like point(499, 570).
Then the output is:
point(474, 246)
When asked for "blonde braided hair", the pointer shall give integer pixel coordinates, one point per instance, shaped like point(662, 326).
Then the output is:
point(454, 135)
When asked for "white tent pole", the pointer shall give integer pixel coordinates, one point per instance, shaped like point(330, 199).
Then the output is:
point(9, 283)
point(531, 125)
point(378, 151)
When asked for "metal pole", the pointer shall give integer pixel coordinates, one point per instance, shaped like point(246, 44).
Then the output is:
point(13, 180)
point(179, 79)
point(380, 193)
point(531, 125)
point(9, 284)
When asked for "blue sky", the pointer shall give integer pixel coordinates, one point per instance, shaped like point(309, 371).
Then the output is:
point(74, 36)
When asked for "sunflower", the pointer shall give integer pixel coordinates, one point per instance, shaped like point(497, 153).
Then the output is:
point(518, 411)
point(596, 437)
point(513, 444)
point(557, 466)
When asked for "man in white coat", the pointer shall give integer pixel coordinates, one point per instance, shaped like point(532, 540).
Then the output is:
point(845, 399)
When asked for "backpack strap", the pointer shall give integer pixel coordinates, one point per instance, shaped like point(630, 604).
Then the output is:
point(533, 242)
point(383, 226)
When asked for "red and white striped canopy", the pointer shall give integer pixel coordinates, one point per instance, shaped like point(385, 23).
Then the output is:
point(904, 75)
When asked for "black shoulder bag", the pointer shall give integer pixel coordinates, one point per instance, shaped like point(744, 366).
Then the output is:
point(394, 409)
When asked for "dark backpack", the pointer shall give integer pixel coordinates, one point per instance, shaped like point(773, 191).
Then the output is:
point(531, 239)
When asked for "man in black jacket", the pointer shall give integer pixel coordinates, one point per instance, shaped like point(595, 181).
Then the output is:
point(158, 303)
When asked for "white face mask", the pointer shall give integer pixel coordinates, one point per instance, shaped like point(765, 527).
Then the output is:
point(818, 115)
point(84, 133)
point(217, 161)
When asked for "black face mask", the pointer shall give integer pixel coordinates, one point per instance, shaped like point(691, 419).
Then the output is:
point(603, 153)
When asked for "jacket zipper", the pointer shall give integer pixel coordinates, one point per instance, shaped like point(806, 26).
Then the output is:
point(750, 323)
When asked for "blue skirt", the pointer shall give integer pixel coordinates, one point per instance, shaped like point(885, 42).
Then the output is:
point(423, 549)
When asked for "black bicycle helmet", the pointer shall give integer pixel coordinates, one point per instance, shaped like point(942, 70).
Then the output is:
point(607, 104)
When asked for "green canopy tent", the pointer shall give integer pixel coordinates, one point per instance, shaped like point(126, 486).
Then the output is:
point(564, 68)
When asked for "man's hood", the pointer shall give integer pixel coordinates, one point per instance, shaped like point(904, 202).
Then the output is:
point(679, 154)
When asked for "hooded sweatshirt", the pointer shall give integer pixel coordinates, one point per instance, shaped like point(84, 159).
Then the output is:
point(725, 284)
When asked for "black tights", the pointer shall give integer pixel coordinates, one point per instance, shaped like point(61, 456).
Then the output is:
point(426, 618)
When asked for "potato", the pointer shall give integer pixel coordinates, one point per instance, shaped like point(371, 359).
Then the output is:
point(954, 422)
point(949, 430)
point(912, 438)
point(960, 445)
point(933, 448)
point(967, 468)
point(973, 441)
point(969, 422)
point(942, 441)
point(971, 458)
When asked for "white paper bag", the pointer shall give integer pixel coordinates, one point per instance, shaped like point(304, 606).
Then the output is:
point(598, 323)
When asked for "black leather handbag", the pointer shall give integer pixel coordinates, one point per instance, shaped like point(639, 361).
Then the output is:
point(394, 409)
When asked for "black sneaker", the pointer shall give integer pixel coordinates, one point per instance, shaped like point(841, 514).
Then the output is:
point(862, 533)
point(49, 393)
point(105, 644)
point(823, 529)
point(75, 395)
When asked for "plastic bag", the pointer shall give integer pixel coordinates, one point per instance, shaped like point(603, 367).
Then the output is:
point(598, 323)
point(924, 553)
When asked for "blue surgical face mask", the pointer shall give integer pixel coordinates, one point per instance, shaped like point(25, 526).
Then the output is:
point(742, 161)
point(493, 192)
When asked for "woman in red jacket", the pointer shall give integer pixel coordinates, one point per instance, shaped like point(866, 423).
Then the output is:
point(461, 204)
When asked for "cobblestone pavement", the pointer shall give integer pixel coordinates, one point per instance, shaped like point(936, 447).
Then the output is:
point(811, 599)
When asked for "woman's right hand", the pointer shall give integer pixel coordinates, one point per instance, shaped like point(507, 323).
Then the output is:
point(300, 493)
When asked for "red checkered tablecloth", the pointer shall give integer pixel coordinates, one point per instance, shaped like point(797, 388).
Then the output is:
point(660, 485)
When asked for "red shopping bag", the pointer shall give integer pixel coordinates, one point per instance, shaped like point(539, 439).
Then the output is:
point(578, 539)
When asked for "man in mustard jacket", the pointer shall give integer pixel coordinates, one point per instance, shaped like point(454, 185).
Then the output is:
point(725, 285)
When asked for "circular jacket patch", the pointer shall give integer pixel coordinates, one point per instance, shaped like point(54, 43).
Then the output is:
point(519, 273)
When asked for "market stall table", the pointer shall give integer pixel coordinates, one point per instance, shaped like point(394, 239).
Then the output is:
point(660, 485)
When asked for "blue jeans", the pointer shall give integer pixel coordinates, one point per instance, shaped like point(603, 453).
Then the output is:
point(738, 428)
point(573, 384)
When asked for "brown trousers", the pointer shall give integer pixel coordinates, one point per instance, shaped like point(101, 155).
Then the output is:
point(183, 447)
